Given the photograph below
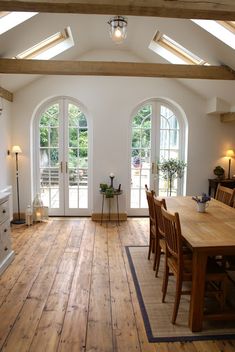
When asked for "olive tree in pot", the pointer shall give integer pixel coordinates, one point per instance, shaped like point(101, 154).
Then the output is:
point(171, 169)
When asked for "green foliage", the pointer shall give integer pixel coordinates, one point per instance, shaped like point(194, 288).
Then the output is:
point(172, 169)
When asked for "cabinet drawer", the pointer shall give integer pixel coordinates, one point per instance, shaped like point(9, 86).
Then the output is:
point(5, 239)
point(4, 211)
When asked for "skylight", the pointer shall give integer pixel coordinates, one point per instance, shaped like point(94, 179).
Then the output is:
point(173, 51)
point(49, 47)
point(9, 20)
point(222, 30)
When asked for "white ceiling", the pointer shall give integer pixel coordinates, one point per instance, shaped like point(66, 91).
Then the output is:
point(90, 33)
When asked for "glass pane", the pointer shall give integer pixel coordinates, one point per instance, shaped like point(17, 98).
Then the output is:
point(54, 155)
point(73, 158)
point(135, 178)
point(145, 138)
point(73, 197)
point(44, 137)
point(164, 139)
point(136, 161)
point(173, 122)
point(136, 138)
point(83, 162)
point(145, 178)
point(54, 197)
point(135, 198)
point(83, 177)
point(44, 157)
point(82, 121)
point(74, 113)
point(73, 177)
point(44, 178)
point(73, 137)
point(146, 110)
point(83, 138)
point(45, 193)
point(146, 123)
point(137, 120)
point(83, 197)
point(54, 177)
point(54, 137)
point(174, 139)
point(83, 152)
point(174, 154)
point(145, 158)
point(164, 123)
point(164, 154)
point(143, 202)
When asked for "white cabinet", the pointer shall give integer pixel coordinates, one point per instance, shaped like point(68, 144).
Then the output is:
point(6, 253)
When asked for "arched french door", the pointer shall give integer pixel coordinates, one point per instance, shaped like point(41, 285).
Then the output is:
point(61, 157)
point(158, 131)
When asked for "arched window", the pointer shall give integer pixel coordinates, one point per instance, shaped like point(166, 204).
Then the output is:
point(61, 157)
point(158, 132)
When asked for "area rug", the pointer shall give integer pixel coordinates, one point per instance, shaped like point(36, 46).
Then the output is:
point(157, 315)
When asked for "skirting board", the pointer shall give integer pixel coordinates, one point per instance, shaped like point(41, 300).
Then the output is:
point(7, 261)
point(113, 217)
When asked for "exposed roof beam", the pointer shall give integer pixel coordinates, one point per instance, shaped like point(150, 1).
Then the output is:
point(105, 68)
point(227, 117)
point(207, 9)
point(5, 94)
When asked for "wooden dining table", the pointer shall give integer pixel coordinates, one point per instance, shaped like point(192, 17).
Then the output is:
point(207, 234)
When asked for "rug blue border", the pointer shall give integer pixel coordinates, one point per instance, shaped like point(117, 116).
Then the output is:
point(147, 325)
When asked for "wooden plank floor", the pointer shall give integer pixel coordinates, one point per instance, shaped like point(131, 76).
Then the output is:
point(69, 289)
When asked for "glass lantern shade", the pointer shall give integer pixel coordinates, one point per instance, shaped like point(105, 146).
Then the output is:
point(118, 29)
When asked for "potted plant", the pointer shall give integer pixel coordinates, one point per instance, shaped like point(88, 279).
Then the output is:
point(219, 172)
point(172, 169)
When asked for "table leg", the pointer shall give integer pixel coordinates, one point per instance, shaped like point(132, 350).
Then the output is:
point(198, 289)
point(102, 211)
point(117, 210)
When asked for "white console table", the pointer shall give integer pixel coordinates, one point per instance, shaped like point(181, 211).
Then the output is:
point(6, 252)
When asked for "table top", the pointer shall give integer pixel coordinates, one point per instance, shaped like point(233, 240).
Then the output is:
point(214, 229)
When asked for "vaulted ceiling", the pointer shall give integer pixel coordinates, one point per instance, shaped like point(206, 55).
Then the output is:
point(92, 41)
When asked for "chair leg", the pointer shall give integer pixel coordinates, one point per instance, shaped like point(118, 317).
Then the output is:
point(150, 247)
point(177, 298)
point(157, 258)
point(165, 280)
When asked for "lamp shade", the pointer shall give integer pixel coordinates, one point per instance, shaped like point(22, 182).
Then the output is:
point(16, 149)
point(230, 153)
point(118, 29)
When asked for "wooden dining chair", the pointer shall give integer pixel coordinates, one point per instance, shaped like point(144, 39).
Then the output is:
point(180, 265)
point(152, 231)
point(160, 243)
point(225, 195)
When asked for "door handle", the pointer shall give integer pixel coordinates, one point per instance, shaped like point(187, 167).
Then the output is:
point(66, 167)
point(61, 166)
point(153, 168)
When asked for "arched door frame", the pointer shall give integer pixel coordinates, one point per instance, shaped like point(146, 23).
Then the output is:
point(34, 143)
point(183, 126)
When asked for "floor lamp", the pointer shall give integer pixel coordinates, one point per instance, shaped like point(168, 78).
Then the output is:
point(229, 154)
point(17, 150)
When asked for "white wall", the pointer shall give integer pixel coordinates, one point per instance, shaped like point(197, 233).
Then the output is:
point(5, 145)
point(109, 102)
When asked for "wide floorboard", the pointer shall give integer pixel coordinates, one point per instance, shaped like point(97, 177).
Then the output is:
point(69, 289)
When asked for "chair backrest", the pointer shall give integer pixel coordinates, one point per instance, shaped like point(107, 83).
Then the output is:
point(158, 204)
point(225, 195)
point(150, 195)
point(172, 231)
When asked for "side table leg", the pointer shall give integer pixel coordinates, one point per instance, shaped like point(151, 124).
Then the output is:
point(109, 208)
point(117, 210)
point(102, 211)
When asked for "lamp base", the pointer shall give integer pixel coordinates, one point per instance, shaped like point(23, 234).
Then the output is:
point(18, 222)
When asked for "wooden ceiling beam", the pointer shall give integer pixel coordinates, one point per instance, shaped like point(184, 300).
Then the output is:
point(227, 117)
point(5, 94)
point(106, 68)
point(207, 9)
